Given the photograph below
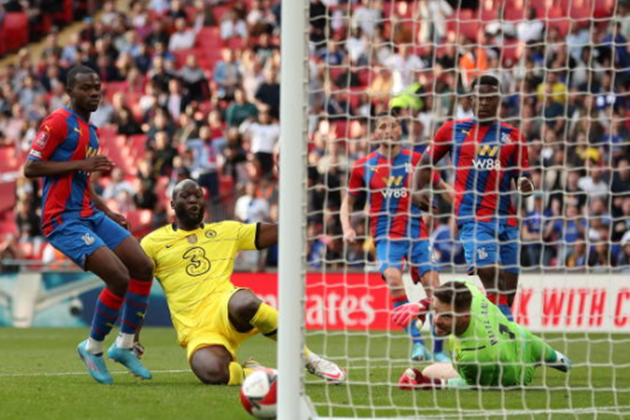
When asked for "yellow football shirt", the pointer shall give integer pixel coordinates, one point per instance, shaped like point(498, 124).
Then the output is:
point(192, 266)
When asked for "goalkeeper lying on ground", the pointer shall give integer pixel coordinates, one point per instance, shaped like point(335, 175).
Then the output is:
point(488, 350)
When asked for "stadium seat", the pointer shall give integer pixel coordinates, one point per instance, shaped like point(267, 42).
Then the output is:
point(140, 221)
point(9, 161)
point(464, 22)
point(111, 88)
point(14, 31)
point(513, 10)
point(7, 222)
point(579, 9)
point(137, 145)
point(66, 15)
point(604, 8)
point(220, 11)
point(7, 196)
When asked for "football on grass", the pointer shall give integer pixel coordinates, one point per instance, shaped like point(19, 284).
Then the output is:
point(258, 393)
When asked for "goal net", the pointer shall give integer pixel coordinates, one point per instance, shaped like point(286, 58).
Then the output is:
point(563, 69)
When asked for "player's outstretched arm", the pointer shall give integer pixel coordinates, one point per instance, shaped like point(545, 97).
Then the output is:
point(423, 174)
point(446, 191)
point(347, 206)
point(39, 168)
point(525, 185)
point(267, 235)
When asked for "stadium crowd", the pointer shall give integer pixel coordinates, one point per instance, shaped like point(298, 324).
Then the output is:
point(192, 90)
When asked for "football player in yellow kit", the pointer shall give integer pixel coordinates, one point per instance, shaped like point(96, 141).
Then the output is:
point(194, 262)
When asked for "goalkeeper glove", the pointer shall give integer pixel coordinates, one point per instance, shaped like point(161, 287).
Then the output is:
point(404, 314)
point(412, 379)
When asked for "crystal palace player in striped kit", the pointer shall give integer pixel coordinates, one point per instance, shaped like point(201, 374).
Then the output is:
point(397, 226)
point(77, 223)
point(488, 157)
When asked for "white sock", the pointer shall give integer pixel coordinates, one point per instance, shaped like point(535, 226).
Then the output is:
point(94, 346)
point(124, 341)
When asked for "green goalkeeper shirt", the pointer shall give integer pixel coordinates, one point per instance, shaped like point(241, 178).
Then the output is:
point(492, 351)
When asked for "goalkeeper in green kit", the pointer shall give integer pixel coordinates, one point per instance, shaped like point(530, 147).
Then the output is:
point(487, 349)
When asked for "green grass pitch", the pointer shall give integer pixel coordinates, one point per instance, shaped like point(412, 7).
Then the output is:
point(41, 377)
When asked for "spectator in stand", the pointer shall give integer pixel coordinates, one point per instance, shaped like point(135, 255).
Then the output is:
point(620, 186)
point(176, 11)
point(164, 153)
point(233, 27)
point(535, 254)
point(194, 80)
point(240, 110)
point(367, 16)
point(161, 122)
point(235, 155)
point(146, 198)
point(566, 231)
point(159, 76)
point(103, 114)
point(623, 258)
point(110, 14)
point(578, 257)
point(251, 72)
point(160, 33)
point(217, 127)
point(531, 29)
point(594, 184)
point(268, 93)
point(126, 124)
point(553, 87)
point(260, 18)
point(265, 50)
point(263, 136)
point(182, 38)
point(621, 222)
point(434, 14)
point(52, 46)
point(176, 101)
point(27, 221)
point(204, 168)
point(29, 91)
point(226, 74)
point(117, 186)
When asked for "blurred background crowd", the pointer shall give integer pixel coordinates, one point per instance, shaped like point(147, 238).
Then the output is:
point(191, 90)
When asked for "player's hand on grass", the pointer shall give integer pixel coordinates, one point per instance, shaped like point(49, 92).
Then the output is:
point(349, 235)
point(97, 163)
point(525, 186)
point(410, 379)
point(405, 314)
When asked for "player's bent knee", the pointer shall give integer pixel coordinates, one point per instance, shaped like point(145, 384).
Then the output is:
point(211, 370)
point(118, 282)
point(244, 305)
point(213, 375)
point(144, 271)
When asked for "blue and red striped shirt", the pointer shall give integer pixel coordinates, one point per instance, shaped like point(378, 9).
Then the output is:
point(387, 183)
point(486, 158)
point(65, 136)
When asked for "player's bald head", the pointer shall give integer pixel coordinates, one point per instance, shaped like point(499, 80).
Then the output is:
point(187, 184)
